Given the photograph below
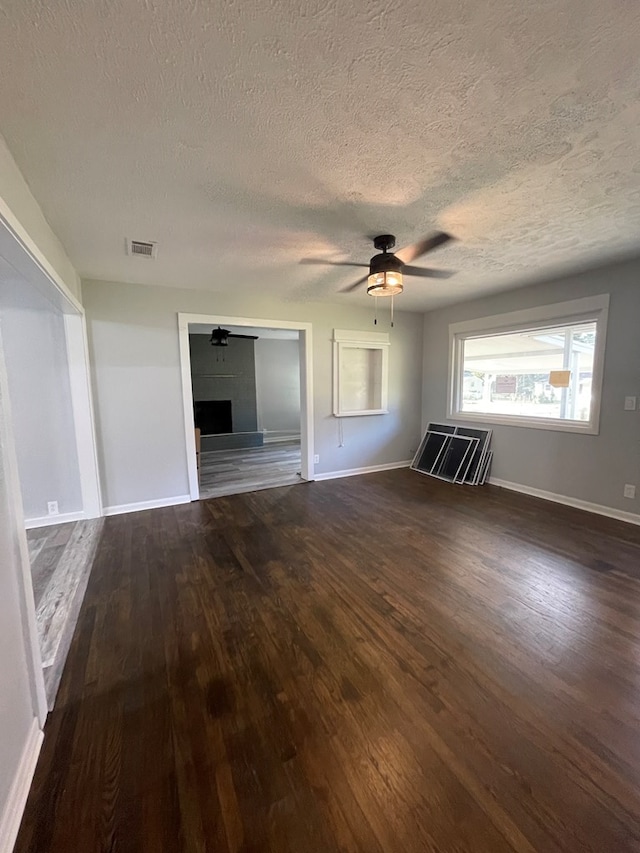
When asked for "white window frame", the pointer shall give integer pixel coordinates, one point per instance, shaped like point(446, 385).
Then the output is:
point(590, 309)
point(345, 341)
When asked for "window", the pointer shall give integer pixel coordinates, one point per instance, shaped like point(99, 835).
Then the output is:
point(360, 373)
point(538, 368)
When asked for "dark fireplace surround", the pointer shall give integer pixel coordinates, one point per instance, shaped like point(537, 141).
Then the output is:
point(224, 394)
point(213, 417)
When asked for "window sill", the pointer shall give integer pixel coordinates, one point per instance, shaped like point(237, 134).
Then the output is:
point(581, 427)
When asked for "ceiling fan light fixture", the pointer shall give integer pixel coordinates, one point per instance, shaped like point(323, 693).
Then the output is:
point(219, 337)
point(385, 283)
point(385, 270)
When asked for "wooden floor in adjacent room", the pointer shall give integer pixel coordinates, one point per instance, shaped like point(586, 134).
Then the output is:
point(61, 558)
point(376, 664)
point(248, 469)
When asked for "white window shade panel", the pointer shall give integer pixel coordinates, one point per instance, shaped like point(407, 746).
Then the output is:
point(360, 373)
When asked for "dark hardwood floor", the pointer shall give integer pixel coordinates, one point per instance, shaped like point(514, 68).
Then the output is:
point(379, 663)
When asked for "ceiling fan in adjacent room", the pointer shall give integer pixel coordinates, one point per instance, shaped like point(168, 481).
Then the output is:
point(220, 337)
point(386, 270)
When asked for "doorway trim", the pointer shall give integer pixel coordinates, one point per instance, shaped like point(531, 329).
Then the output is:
point(23, 580)
point(306, 385)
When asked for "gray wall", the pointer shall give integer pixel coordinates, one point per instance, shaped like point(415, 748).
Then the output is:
point(42, 414)
point(590, 468)
point(133, 334)
point(278, 385)
point(226, 373)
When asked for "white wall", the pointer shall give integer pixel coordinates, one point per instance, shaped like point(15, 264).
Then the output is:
point(22, 700)
point(23, 213)
point(17, 713)
point(278, 385)
point(583, 467)
point(137, 385)
point(35, 354)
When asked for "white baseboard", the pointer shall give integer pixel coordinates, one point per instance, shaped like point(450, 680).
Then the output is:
point(121, 509)
point(353, 472)
point(49, 520)
point(599, 509)
point(278, 435)
point(19, 791)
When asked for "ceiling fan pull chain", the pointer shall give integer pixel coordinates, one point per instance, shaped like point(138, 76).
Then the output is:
point(392, 311)
point(375, 311)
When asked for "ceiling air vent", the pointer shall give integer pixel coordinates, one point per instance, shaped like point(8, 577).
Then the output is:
point(142, 249)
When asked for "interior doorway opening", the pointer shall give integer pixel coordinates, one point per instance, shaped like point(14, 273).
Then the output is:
point(49, 423)
point(247, 403)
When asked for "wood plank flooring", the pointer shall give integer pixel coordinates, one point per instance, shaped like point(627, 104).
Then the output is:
point(232, 472)
point(379, 663)
point(61, 558)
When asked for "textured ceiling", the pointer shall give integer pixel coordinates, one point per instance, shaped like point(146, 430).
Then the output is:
point(243, 135)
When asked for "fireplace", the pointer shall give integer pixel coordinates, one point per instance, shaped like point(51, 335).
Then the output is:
point(213, 417)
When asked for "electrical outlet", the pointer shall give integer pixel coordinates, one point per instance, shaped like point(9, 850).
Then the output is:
point(629, 404)
point(316, 458)
point(52, 507)
point(629, 491)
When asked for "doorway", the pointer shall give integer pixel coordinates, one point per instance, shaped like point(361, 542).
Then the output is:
point(250, 400)
point(47, 408)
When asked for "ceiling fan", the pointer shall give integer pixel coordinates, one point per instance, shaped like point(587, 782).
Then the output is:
point(220, 337)
point(386, 270)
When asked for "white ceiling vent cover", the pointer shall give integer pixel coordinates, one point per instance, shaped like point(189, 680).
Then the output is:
point(142, 248)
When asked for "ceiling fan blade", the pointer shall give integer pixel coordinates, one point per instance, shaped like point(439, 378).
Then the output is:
point(426, 272)
point(331, 263)
point(427, 244)
point(354, 285)
point(246, 337)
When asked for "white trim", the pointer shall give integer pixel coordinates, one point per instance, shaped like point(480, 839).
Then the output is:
point(598, 509)
point(19, 791)
point(306, 385)
point(121, 509)
point(50, 520)
point(343, 341)
point(370, 469)
point(83, 417)
point(376, 339)
point(555, 311)
point(24, 579)
point(593, 308)
point(275, 436)
point(583, 427)
point(23, 242)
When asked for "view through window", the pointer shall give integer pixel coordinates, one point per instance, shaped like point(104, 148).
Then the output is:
point(535, 373)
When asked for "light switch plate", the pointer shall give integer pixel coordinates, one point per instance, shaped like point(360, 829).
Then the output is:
point(629, 404)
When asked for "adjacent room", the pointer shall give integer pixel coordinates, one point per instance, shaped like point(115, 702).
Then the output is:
point(245, 393)
point(319, 419)
point(46, 401)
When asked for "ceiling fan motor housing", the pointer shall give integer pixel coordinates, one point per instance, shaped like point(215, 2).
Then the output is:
point(219, 337)
point(384, 262)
